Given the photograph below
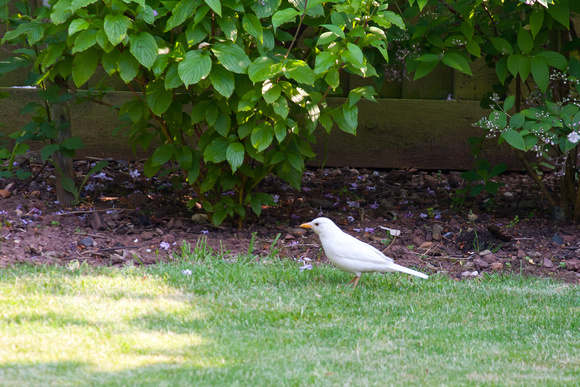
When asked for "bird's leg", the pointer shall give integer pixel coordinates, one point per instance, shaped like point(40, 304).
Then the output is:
point(354, 281)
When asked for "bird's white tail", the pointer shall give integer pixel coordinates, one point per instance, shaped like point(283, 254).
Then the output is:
point(404, 269)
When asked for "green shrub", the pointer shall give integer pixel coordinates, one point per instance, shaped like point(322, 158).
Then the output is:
point(231, 90)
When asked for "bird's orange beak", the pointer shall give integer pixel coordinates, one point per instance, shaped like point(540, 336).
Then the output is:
point(306, 225)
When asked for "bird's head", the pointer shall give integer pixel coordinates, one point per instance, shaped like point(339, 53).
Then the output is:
point(321, 226)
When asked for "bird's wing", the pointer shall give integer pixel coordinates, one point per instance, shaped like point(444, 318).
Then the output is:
point(346, 246)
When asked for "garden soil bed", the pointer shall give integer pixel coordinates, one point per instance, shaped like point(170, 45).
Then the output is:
point(126, 219)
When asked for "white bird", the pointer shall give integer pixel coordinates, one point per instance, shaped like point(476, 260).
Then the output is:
point(351, 255)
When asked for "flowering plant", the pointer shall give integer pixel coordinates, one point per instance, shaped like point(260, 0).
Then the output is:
point(532, 47)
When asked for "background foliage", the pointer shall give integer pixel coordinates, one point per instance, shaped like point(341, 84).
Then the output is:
point(533, 48)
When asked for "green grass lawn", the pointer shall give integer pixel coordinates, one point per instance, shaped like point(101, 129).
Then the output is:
point(267, 323)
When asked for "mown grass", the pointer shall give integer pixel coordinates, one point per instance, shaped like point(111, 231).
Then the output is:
point(267, 323)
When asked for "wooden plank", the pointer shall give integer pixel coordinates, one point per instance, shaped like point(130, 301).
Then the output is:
point(399, 133)
point(393, 133)
point(436, 85)
point(477, 86)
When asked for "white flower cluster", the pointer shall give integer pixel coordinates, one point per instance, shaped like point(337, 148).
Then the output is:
point(574, 137)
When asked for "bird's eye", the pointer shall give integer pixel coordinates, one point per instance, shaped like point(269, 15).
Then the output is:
point(316, 224)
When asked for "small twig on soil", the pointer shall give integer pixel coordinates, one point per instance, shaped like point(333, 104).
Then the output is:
point(91, 211)
point(92, 235)
point(450, 257)
point(390, 244)
point(119, 248)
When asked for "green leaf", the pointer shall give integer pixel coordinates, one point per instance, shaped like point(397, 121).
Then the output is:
point(501, 69)
point(184, 157)
point(84, 66)
point(219, 216)
point(473, 48)
point(423, 69)
point(280, 106)
point(163, 154)
point(229, 28)
point(265, 8)
point(521, 64)
point(324, 61)
point(78, 4)
point(554, 59)
point(457, 61)
point(517, 120)
point(216, 151)
point(270, 91)
point(525, 41)
point(116, 27)
point(128, 66)
point(84, 41)
point(561, 12)
point(73, 143)
point(253, 26)
point(48, 150)
point(467, 29)
point(296, 160)
point(53, 52)
point(497, 170)
point(235, 155)
point(514, 139)
point(346, 118)
point(222, 124)
point(536, 20)
point(284, 16)
point(335, 29)
point(509, 103)
point(215, 5)
point(263, 68)
point(300, 72)
point(540, 73)
point(77, 25)
point(172, 79)
point(222, 80)
point(574, 69)
point(148, 15)
point(503, 46)
point(232, 57)
point(393, 18)
point(326, 37)
point(36, 33)
point(355, 95)
point(256, 204)
point(351, 117)
point(158, 98)
point(332, 77)
point(144, 48)
point(353, 55)
point(280, 131)
point(531, 142)
point(160, 64)
point(195, 67)
point(262, 136)
point(61, 11)
point(103, 41)
point(183, 10)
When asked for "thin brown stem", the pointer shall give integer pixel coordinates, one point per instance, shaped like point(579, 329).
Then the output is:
point(536, 179)
point(297, 31)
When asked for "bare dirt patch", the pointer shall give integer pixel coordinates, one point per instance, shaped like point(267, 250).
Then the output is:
point(125, 219)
